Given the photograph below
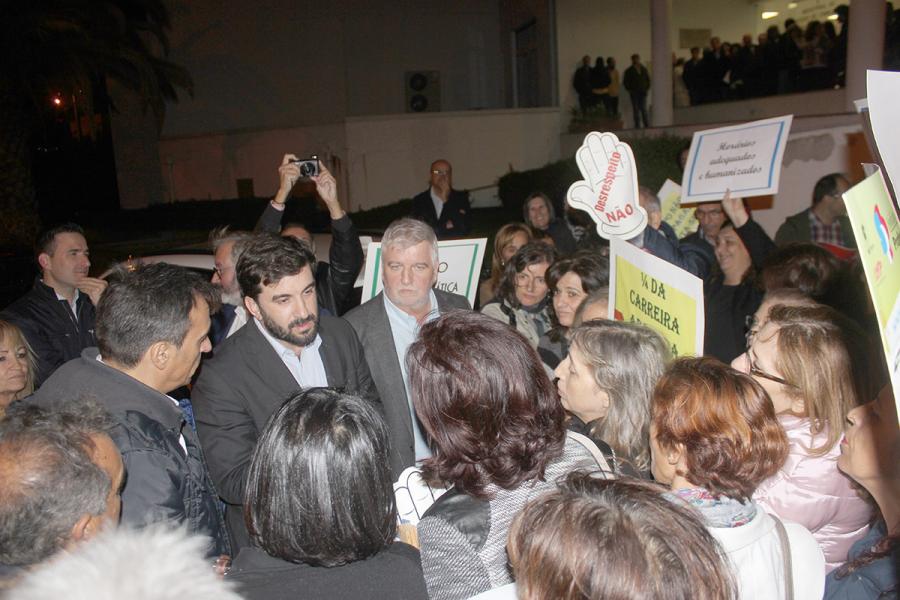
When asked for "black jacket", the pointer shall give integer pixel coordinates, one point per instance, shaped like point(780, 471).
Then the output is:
point(163, 482)
point(50, 327)
point(395, 572)
point(456, 216)
point(334, 279)
point(243, 384)
point(728, 306)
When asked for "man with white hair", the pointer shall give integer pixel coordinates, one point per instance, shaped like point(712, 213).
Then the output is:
point(388, 323)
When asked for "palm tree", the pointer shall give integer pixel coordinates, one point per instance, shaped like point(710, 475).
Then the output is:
point(66, 49)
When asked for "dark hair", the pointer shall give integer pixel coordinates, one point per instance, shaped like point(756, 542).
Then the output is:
point(532, 253)
point(319, 489)
point(267, 259)
point(46, 241)
point(827, 186)
point(805, 266)
point(605, 538)
point(48, 478)
point(726, 423)
point(486, 401)
point(592, 269)
point(150, 304)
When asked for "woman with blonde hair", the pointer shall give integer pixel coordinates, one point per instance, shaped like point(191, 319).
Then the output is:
point(17, 365)
point(605, 384)
point(507, 242)
point(799, 358)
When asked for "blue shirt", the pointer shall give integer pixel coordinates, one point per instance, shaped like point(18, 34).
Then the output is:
point(307, 368)
point(405, 330)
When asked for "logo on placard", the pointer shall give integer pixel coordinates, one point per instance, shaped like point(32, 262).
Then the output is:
point(609, 191)
point(884, 235)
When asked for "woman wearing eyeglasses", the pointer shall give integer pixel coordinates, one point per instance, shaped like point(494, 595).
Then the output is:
point(523, 295)
point(800, 360)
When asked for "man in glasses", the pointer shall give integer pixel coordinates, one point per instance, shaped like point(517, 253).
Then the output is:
point(445, 209)
point(711, 218)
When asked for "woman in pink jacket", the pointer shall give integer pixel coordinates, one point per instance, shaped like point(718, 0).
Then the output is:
point(798, 357)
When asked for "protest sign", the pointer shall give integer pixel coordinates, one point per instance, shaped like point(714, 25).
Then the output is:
point(458, 268)
point(877, 230)
point(745, 159)
point(882, 90)
point(609, 191)
point(682, 220)
point(646, 289)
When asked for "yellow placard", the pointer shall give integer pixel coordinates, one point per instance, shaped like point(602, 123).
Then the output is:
point(682, 220)
point(659, 295)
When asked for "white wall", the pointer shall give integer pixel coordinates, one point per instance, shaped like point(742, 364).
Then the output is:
point(382, 158)
point(389, 156)
point(274, 64)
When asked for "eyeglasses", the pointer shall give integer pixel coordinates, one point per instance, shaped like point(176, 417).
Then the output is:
point(752, 328)
point(440, 172)
point(220, 270)
point(707, 214)
point(756, 371)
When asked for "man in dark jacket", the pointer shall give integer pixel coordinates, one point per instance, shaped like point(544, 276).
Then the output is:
point(388, 323)
point(335, 278)
point(445, 209)
point(637, 81)
point(57, 315)
point(285, 347)
point(582, 83)
point(152, 326)
point(825, 222)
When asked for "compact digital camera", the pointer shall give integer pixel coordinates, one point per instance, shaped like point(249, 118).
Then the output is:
point(309, 167)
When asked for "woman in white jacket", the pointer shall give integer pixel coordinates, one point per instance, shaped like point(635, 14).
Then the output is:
point(713, 438)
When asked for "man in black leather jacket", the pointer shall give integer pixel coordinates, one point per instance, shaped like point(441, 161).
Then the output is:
point(152, 326)
point(57, 314)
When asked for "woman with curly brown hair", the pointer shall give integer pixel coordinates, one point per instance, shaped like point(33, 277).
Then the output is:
point(713, 438)
point(499, 440)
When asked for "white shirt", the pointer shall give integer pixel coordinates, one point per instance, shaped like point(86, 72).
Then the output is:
point(307, 368)
point(438, 203)
point(405, 330)
point(240, 319)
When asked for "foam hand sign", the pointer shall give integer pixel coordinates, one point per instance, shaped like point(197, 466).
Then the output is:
point(609, 192)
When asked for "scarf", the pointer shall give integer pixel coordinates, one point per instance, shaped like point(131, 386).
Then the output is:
point(719, 511)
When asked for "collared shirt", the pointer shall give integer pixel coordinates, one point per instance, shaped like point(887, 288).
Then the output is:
point(174, 401)
point(308, 369)
point(240, 319)
point(821, 233)
point(438, 203)
point(405, 330)
point(72, 305)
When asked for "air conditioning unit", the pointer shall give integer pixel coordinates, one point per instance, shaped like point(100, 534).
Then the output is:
point(423, 91)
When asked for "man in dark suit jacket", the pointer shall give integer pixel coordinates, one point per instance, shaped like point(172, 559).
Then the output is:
point(388, 323)
point(445, 209)
point(285, 347)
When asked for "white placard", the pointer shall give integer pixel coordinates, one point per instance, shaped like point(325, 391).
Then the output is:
point(458, 271)
point(745, 159)
point(882, 91)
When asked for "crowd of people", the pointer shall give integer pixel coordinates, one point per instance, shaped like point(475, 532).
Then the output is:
point(576, 457)
point(794, 58)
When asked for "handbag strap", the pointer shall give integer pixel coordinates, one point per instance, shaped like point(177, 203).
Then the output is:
point(591, 447)
point(786, 556)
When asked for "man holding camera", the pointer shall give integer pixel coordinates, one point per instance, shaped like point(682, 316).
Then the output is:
point(445, 209)
point(334, 279)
